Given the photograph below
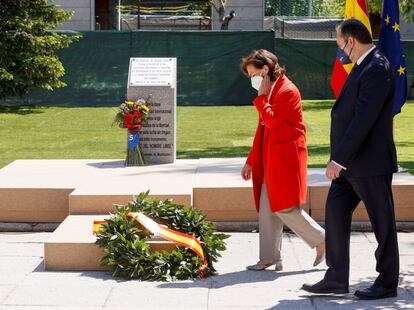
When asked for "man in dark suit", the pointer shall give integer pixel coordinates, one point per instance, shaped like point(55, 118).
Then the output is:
point(363, 159)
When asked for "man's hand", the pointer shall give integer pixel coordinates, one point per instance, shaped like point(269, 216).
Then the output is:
point(266, 86)
point(246, 172)
point(332, 170)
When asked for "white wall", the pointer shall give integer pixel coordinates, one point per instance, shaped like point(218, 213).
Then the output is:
point(249, 15)
point(84, 17)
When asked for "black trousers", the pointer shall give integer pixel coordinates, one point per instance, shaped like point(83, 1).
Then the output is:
point(343, 197)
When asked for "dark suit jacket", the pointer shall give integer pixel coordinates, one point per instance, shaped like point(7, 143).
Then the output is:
point(362, 121)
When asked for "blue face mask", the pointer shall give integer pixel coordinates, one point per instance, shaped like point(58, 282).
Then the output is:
point(350, 52)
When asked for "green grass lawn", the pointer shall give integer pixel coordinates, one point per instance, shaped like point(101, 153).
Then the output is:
point(63, 133)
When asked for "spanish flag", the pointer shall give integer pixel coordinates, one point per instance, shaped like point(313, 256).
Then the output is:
point(353, 9)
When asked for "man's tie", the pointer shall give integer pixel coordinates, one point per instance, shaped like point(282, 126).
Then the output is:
point(354, 68)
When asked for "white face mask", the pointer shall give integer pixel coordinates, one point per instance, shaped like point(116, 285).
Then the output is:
point(256, 81)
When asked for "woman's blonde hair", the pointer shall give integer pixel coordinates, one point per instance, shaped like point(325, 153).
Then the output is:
point(259, 58)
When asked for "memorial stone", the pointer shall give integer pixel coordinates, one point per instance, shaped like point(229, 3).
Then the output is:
point(155, 79)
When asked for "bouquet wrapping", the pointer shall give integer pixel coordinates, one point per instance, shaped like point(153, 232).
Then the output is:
point(132, 115)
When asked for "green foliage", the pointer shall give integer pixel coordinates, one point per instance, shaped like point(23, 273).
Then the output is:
point(128, 253)
point(374, 6)
point(202, 8)
point(286, 8)
point(301, 8)
point(27, 53)
point(407, 10)
point(330, 8)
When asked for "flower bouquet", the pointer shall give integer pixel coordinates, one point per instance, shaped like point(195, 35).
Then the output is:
point(133, 115)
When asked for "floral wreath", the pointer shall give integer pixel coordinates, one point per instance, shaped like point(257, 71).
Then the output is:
point(127, 251)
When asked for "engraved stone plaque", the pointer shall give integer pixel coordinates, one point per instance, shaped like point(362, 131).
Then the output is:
point(156, 80)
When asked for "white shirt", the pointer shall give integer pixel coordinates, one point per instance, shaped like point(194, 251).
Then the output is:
point(360, 59)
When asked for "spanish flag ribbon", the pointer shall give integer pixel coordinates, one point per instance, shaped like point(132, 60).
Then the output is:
point(97, 226)
point(172, 235)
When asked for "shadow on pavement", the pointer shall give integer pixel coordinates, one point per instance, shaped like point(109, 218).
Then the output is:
point(234, 278)
point(349, 301)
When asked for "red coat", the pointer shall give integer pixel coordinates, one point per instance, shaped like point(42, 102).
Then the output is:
point(279, 156)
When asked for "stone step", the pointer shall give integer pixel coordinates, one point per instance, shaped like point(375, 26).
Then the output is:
point(38, 190)
point(402, 187)
point(49, 190)
point(72, 245)
point(220, 191)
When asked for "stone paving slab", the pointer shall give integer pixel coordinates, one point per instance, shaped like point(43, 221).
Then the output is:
point(5, 290)
point(54, 294)
point(49, 308)
point(146, 297)
point(25, 285)
point(14, 269)
point(19, 237)
point(22, 249)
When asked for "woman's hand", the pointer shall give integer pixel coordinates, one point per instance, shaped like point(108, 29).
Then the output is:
point(246, 172)
point(265, 86)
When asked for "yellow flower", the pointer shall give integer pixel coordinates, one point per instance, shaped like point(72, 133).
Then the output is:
point(130, 102)
point(145, 107)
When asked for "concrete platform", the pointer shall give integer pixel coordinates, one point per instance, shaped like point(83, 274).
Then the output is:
point(112, 183)
point(49, 190)
point(72, 245)
point(38, 190)
point(34, 204)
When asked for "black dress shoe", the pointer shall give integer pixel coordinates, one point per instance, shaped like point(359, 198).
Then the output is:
point(326, 287)
point(376, 292)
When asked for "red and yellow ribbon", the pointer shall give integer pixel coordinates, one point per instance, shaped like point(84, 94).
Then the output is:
point(172, 235)
point(97, 226)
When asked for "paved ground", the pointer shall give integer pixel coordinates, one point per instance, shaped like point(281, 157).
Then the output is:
point(25, 285)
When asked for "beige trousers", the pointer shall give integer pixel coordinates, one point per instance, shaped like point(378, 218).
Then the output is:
point(271, 228)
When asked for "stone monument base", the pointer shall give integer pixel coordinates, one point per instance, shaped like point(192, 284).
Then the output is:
point(86, 190)
point(72, 246)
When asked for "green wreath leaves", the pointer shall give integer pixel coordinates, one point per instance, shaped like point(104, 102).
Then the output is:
point(128, 253)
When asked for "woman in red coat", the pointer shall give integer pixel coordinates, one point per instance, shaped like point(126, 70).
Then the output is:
point(277, 161)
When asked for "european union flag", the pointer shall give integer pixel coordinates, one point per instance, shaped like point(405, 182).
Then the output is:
point(390, 46)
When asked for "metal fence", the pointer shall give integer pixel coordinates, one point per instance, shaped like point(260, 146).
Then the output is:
point(305, 27)
point(208, 71)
